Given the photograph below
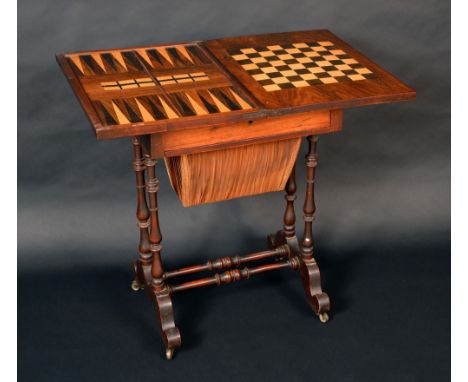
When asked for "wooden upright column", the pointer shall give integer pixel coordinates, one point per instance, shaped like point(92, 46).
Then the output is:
point(309, 202)
point(143, 265)
point(310, 273)
point(170, 333)
point(289, 219)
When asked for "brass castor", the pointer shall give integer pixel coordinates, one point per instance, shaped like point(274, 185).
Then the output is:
point(135, 286)
point(169, 354)
point(324, 317)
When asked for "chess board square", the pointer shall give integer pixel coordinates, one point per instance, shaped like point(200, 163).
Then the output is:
point(322, 74)
point(293, 50)
point(248, 51)
point(298, 55)
point(300, 45)
point(263, 64)
point(316, 70)
point(272, 87)
point(337, 52)
point(319, 49)
point(250, 66)
point(297, 66)
point(287, 85)
point(304, 60)
point(363, 71)
point(267, 53)
point(285, 56)
point(277, 63)
point(328, 80)
point(336, 73)
point(294, 78)
point(274, 47)
point(330, 57)
point(349, 61)
point(300, 84)
point(266, 82)
point(274, 75)
point(239, 57)
point(262, 76)
point(288, 73)
point(255, 71)
point(279, 52)
point(258, 59)
point(326, 43)
point(322, 63)
point(314, 82)
point(269, 69)
point(357, 77)
point(280, 80)
point(302, 71)
point(310, 65)
point(312, 54)
point(308, 76)
point(343, 67)
point(253, 55)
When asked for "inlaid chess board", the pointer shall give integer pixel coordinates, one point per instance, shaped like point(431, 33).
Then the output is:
point(301, 64)
point(144, 90)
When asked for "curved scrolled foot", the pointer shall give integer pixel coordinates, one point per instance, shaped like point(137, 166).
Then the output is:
point(165, 313)
point(317, 299)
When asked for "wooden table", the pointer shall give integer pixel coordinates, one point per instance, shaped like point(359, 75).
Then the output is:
point(227, 116)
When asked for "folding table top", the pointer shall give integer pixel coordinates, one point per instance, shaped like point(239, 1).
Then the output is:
point(144, 90)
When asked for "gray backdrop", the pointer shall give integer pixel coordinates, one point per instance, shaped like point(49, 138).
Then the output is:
point(383, 182)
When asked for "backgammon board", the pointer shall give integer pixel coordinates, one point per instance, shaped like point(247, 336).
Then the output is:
point(227, 116)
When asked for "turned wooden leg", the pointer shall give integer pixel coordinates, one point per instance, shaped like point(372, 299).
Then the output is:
point(310, 273)
point(170, 333)
point(288, 234)
point(289, 219)
point(142, 266)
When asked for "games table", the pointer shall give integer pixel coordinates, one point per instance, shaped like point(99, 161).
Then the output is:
point(227, 116)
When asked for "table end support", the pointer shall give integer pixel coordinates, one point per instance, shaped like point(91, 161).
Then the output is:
point(308, 267)
point(155, 285)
